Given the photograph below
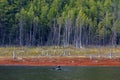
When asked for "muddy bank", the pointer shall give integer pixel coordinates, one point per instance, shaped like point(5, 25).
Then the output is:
point(62, 61)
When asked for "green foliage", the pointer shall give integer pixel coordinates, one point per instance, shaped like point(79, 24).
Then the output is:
point(98, 17)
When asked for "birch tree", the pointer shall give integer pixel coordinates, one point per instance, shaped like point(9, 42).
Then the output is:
point(79, 24)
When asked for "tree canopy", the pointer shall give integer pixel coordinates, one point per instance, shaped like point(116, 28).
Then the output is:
point(59, 22)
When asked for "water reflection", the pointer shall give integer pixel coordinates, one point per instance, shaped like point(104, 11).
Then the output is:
point(67, 73)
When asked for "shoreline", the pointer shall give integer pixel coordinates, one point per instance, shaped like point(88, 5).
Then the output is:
point(61, 61)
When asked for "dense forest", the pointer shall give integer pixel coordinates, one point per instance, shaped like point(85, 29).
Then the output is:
point(59, 22)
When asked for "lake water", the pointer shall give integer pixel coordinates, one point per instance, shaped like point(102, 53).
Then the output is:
point(67, 73)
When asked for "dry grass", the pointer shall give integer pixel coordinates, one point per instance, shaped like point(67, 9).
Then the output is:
point(57, 51)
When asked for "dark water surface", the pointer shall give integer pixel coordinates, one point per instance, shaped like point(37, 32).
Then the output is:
point(67, 73)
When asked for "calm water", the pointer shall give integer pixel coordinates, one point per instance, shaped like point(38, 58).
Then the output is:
point(67, 73)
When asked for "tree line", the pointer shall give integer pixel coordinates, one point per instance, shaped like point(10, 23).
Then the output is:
point(59, 22)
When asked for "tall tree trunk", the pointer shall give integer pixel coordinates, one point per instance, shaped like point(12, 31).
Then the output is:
point(59, 35)
point(76, 37)
point(66, 33)
point(114, 39)
point(50, 34)
point(80, 36)
point(114, 20)
point(21, 31)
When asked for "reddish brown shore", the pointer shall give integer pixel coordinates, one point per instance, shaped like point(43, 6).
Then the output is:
point(62, 61)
